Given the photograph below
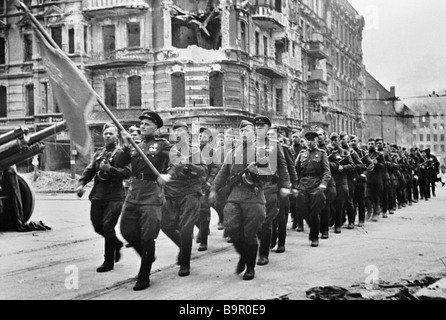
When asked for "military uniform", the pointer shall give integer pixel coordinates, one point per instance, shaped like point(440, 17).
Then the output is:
point(360, 184)
point(141, 213)
point(296, 214)
point(313, 171)
point(375, 183)
point(107, 197)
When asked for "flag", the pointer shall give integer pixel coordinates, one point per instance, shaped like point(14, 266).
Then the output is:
point(74, 95)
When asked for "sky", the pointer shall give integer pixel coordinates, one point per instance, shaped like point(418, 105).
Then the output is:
point(404, 44)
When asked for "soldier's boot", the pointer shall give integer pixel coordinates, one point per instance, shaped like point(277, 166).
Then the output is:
point(204, 233)
point(109, 256)
point(241, 265)
point(185, 252)
point(147, 258)
point(281, 234)
point(118, 246)
point(274, 234)
point(250, 254)
point(265, 240)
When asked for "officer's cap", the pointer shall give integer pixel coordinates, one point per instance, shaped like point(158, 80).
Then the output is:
point(262, 120)
point(180, 124)
point(310, 135)
point(245, 123)
point(152, 116)
point(109, 125)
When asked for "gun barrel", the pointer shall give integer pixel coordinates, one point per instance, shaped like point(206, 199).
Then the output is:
point(22, 155)
point(13, 134)
point(47, 132)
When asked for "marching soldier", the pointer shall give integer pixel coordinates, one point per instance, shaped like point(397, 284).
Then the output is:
point(433, 169)
point(135, 133)
point(386, 178)
point(245, 210)
point(181, 210)
point(375, 180)
point(107, 194)
point(313, 172)
point(141, 212)
point(296, 214)
point(276, 185)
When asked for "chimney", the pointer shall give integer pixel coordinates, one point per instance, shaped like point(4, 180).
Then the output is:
point(392, 92)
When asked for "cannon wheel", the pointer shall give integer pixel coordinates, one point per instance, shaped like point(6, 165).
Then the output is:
point(7, 217)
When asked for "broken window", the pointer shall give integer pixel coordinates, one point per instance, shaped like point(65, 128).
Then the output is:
point(3, 102)
point(216, 89)
point(27, 47)
point(29, 99)
point(2, 50)
point(71, 40)
point(134, 34)
point(108, 35)
point(178, 84)
point(56, 34)
point(134, 84)
point(110, 92)
point(279, 100)
point(201, 29)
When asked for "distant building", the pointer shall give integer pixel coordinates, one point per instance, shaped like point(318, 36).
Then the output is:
point(384, 117)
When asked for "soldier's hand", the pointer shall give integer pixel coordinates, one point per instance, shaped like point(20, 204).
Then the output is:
point(163, 179)
point(212, 197)
point(80, 190)
point(322, 187)
point(284, 192)
point(252, 168)
point(340, 168)
point(105, 166)
point(294, 192)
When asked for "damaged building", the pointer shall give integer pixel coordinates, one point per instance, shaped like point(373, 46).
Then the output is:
point(212, 61)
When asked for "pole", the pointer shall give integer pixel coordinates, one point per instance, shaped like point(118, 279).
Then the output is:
point(40, 28)
point(382, 124)
point(73, 152)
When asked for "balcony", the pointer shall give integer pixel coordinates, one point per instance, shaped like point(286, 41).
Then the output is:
point(270, 67)
point(107, 8)
point(269, 18)
point(118, 58)
point(317, 86)
point(316, 48)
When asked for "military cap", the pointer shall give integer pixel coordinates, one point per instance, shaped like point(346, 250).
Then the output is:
point(428, 150)
point(333, 136)
point(262, 120)
point(245, 123)
point(310, 135)
point(109, 125)
point(379, 139)
point(152, 116)
point(180, 124)
point(202, 129)
point(135, 128)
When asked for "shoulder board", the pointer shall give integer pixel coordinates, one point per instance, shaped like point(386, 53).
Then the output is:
point(160, 139)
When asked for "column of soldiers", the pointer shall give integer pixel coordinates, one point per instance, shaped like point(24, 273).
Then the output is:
point(253, 179)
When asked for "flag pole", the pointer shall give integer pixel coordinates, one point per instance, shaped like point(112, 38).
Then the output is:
point(47, 37)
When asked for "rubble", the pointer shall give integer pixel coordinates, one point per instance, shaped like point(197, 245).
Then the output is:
point(51, 181)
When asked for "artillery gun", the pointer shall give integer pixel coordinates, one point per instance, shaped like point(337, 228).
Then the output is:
point(16, 195)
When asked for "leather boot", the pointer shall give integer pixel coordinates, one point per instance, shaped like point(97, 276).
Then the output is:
point(185, 249)
point(118, 246)
point(241, 265)
point(250, 254)
point(265, 241)
point(204, 232)
point(109, 256)
point(147, 257)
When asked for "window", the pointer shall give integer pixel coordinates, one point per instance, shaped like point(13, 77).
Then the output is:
point(134, 85)
point(436, 148)
point(242, 91)
point(44, 87)
point(108, 35)
point(216, 89)
point(85, 39)
point(442, 137)
point(71, 40)
point(3, 102)
point(265, 97)
point(428, 137)
point(278, 5)
point(442, 148)
point(279, 100)
point(435, 138)
point(29, 99)
point(110, 92)
point(257, 93)
point(265, 46)
point(27, 47)
point(2, 50)
point(243, 36)
point(257, 43)
point(56, 34)
point(421, 138)
point(134, 35)
point(414, 137)
point(178, 90)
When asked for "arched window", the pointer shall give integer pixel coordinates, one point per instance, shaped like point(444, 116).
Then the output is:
point(134, 85)
point(216, 89)
point(110, 92)
point(3, 102)
point(178, 84)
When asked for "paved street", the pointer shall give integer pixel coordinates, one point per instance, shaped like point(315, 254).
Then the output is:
point(60, 264)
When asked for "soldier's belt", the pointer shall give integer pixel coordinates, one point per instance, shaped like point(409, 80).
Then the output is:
point(311, 175)
point(145, 176)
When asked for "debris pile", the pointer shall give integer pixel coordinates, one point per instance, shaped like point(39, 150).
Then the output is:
point(51, 181)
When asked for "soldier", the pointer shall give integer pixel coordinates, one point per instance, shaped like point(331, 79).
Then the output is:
point(296, 214)
point(433, 169)
point(387, 191)
point(245, 211)
point(313, 171)
point(343, 164)
point(141, 212)
point(107, 194)
point(281, 220)
point(181, 210)
point(375, 180)
point(330, 192)
point(276, 185)
point(135, 133)
point(213, 167)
